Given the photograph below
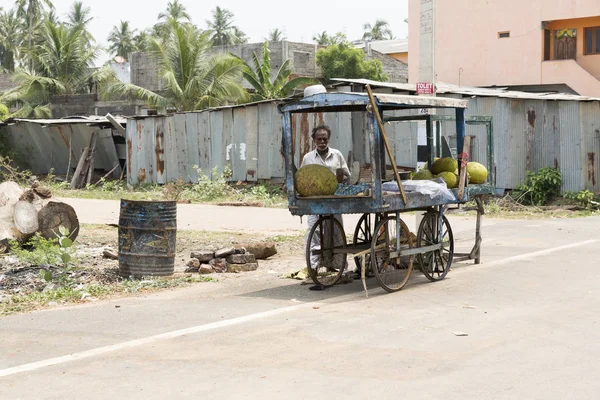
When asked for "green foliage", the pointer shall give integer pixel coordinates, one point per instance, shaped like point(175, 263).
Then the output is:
point(3, 112)
point(193, 78)
point(207, 189)
point(8, 170)
point(50, 253)
point(585, 198)
point(260, 77)
point(379, 31)
point(122, 40)
point(221, 29)
point(324, 39)
point(539, 187)
point(344, 61)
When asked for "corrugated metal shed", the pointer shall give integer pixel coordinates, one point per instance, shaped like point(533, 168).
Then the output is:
point(530, 131)
point(54, 144)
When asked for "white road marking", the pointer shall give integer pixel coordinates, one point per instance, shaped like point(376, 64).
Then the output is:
point(151, 339)
point(539, 253)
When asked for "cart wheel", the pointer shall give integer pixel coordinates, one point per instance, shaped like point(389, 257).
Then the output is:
point(324, 267)
point(391, 273)
point(435, 264)
point(363, 233)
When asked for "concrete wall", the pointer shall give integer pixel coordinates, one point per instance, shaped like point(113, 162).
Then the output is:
point(144, 71)
point(396, 70)
point(467, 37)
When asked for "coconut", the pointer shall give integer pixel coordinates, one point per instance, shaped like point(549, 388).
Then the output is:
point(477, 173)
point(446, 164)
point(315, 180)
point(450, 178)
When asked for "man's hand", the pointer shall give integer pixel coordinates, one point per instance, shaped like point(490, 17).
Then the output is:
point(342, 175)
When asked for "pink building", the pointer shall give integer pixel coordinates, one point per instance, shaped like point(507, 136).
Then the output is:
point(532, 45)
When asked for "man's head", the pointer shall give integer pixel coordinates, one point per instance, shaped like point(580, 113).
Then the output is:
point(321, 134)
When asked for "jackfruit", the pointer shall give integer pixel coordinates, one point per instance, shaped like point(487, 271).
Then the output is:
point(423, 175)
point(450, 178)
point(446, 164)
point(477, 173)
point(315, 180)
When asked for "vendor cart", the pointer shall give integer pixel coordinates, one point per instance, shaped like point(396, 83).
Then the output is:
point(382, 243)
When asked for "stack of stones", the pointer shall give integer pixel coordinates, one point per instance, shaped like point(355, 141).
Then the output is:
point(224, 260)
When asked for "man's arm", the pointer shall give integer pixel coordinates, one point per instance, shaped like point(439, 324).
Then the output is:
point(343, 173)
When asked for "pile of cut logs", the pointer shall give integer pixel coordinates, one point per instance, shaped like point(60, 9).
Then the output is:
point(25, 212)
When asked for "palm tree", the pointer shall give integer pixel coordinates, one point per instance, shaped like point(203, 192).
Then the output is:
point(379, 31)
point(275, 35)
point(240, 37)
point(223, 33)
point(192, 78)
point(260, 77)
point(31, 12)
point(10, 39)
point(64, 66)
point(80, 16)
point(175, 12)
point(323, 39)
point(121, 40)
point(140, 41)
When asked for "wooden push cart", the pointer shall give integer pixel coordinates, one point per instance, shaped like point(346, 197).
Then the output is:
point(382, 242)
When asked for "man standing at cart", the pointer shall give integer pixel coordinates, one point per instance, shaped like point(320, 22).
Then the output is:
point(332, 159)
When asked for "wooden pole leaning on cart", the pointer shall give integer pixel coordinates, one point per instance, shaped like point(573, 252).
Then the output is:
point(463, 159)
point(386, 142)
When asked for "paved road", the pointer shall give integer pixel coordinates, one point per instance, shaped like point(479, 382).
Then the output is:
point(217, 218)
point(531, 313)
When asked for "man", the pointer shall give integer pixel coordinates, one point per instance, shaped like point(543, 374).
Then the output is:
point(332, 159)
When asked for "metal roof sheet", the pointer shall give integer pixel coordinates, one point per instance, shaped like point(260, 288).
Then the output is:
point(443, 88)
point(337, 99)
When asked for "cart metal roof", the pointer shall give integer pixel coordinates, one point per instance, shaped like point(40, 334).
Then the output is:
point(358, 101)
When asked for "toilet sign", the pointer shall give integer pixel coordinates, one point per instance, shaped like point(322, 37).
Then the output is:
point(425, 88)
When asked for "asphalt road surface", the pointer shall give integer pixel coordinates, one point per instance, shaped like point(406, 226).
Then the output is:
point(522, 325)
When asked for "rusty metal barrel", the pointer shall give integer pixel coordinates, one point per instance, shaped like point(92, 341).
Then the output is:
point(147, 238)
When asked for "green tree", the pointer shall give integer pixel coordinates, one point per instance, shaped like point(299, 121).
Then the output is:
point(275, 35)
point(121, 40)
point(64, 66)
point(175, 12)
point(323, 39)
point(379, 31)
point(260, 77)
point(31, 13)
point(240, 37)
point(10, 39)
point(221, 28)
point(79, 16)
point(140, 41)
point(344, 61)
point(3, 112)
point(193, 79)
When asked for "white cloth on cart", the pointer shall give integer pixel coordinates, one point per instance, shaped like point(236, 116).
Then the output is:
point(432, 188)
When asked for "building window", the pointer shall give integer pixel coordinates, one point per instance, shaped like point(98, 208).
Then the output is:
point(592, 40)
point(502, 35)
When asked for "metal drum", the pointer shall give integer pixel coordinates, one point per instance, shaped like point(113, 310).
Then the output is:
point(147, 238)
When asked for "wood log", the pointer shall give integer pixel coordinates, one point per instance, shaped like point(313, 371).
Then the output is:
point(26, 218)
point(79, 171)
point(53, 216)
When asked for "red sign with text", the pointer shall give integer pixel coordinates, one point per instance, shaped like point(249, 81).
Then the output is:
point(425, 88)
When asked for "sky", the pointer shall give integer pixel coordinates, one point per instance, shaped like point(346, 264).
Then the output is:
point(299, 21)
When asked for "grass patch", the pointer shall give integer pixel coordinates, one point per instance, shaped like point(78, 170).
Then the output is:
point(18, 303)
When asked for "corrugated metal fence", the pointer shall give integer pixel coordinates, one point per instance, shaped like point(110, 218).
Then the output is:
point(528, 135)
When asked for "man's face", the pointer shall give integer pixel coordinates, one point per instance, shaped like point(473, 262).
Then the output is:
point(321, 139)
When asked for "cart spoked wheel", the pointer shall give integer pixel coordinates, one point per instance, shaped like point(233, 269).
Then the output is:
point(435, 264)
point(363, 234)
point(325, 267)
point(392, 273)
